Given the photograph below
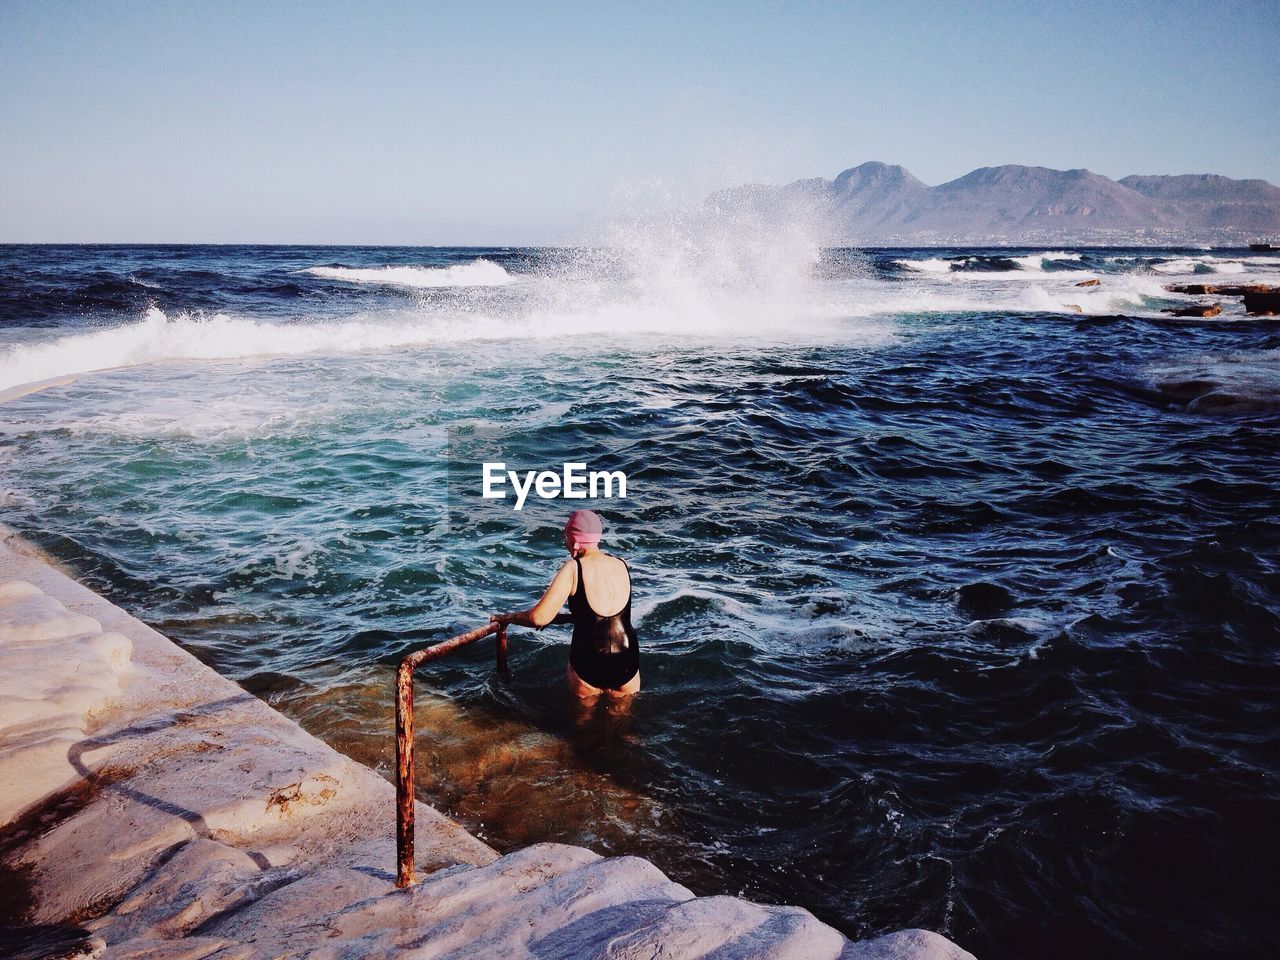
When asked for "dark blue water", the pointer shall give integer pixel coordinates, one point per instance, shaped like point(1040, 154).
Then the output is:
point(959, 608)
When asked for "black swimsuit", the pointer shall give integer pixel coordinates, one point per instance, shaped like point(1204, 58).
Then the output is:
point(604, 652)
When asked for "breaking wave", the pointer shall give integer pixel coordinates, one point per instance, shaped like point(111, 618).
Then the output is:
point(989, 263)
point(477, 273)
point(1037, 261)
point(932, 265)
point(1199, 265)
point(673, 308)
point(158, 337)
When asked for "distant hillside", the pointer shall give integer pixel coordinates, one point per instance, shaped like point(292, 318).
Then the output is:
point(881, 203)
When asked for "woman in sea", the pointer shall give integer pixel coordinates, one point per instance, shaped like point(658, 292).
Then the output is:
point(604, 656)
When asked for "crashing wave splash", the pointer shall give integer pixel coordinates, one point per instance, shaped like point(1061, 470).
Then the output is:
point(663, 276)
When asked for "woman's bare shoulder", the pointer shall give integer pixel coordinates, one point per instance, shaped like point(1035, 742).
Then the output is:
point(611, 565)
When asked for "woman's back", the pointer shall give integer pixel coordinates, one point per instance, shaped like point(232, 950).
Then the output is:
point(606, 581)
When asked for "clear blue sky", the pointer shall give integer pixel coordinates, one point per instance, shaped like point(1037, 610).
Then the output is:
point(519, 122)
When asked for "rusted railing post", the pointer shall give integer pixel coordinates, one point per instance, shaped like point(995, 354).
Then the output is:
point(404, 736)
point(404, 773)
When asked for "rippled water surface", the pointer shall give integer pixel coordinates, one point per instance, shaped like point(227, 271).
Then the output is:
point(956, 582)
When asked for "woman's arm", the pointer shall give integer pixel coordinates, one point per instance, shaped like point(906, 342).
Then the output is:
point(545, 610)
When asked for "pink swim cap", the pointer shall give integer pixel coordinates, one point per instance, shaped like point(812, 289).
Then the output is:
point(582, 530)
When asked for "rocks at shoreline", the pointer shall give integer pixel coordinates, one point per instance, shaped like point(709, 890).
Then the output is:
point(1260, 299)
point(1262, 303)
point(1204, 310)
point(1220, 289)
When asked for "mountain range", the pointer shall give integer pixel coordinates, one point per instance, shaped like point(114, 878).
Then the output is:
point(885, 204)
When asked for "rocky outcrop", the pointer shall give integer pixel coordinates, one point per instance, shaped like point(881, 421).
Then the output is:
point(1221, 289)
point(1262, 303)
point(1260, 299)
point(152, 810)
point(1197, 310)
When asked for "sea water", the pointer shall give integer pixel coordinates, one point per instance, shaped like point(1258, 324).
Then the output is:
point(956, 582)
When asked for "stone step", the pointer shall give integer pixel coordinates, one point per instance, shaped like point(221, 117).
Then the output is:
point(547, 901)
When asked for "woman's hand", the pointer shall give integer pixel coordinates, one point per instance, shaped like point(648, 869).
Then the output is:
point(545, 610)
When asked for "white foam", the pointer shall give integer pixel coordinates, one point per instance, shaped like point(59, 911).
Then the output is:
point(1012, 292)
point(932, 265)
point(158, 338)
point(477, 273)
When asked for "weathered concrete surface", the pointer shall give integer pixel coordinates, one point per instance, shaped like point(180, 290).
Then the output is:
point(175, 817)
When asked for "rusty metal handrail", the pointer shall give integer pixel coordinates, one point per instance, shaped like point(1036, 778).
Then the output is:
point(404, 735)
point(404, 731)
